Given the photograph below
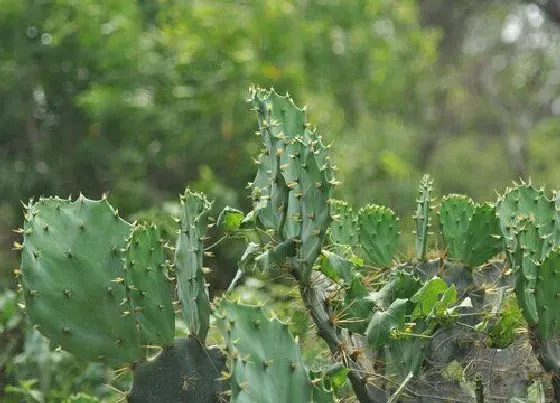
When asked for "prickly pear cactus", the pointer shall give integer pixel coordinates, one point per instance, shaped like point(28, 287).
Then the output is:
point(525, 200)
point(470, 230)
point(74, 279)
point(379, 232)
point(149, 289)
point(294, 181)
point(422, 216)
point(264, 360)
point(189, 252)
point(343, 228)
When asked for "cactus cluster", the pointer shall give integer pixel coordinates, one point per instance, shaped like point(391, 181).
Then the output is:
point(103, 288)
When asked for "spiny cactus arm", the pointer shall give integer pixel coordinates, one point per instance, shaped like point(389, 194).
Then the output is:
point(189, 252)
point(314, 300)
point(422, 216)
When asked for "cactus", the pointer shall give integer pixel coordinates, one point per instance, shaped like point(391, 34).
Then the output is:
point(376, 317)
point(184, 372)
point(422, 216)
point(525, 200)
point(470, 230)
point(265, 362)
point(148, 287)
point(188, 263)
point(378, 233)
point(294, 181)
point(74, 280)
point(343, 228)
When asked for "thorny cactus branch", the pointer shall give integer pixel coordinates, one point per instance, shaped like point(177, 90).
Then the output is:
point(313, 299)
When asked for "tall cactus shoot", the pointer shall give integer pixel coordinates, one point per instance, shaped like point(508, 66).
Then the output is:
point(422, 217)
point(295, 178)
point(189, 252)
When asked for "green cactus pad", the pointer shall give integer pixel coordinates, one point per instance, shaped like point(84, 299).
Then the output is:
point(148, 286)
point(189, 252)
point(526, 264)
point(185, 372)
point(343, 224)
point(470, 230)
point(547, 296)
point(294, 181)
point(264, 360)
point(379, 232)
point(526, 200)
point(73, 278)
point(455, 214)
point(422, 216)
point(483, 239)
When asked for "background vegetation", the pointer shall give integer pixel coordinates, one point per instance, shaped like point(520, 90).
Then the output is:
point(140, 98)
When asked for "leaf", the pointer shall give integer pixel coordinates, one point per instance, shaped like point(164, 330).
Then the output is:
point(230, 219)
point(382, 323)
point(336, 267)
point(428, 297)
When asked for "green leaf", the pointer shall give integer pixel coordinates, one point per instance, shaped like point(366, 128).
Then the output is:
point(433, 297)
point(336, 267)
point(382, 323)
point(230, 219)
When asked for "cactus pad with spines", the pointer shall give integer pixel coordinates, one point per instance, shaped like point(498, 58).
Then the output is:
point(294, 181)
point(454, 215)
point(470, 230)
point(379, 231)
point(422, 216)
point(148, 286)
point(526, 264)
point(343, 228)
point(265, 362)
point(74, 281)
point(189, 252)
point(547, 296)
point(524, 199)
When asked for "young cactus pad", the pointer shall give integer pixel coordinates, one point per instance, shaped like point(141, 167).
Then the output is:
point(189, 252)
point(379, 231)
point(265, 362)
point(524, 199)
point(422, 216)
point(74, 281)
